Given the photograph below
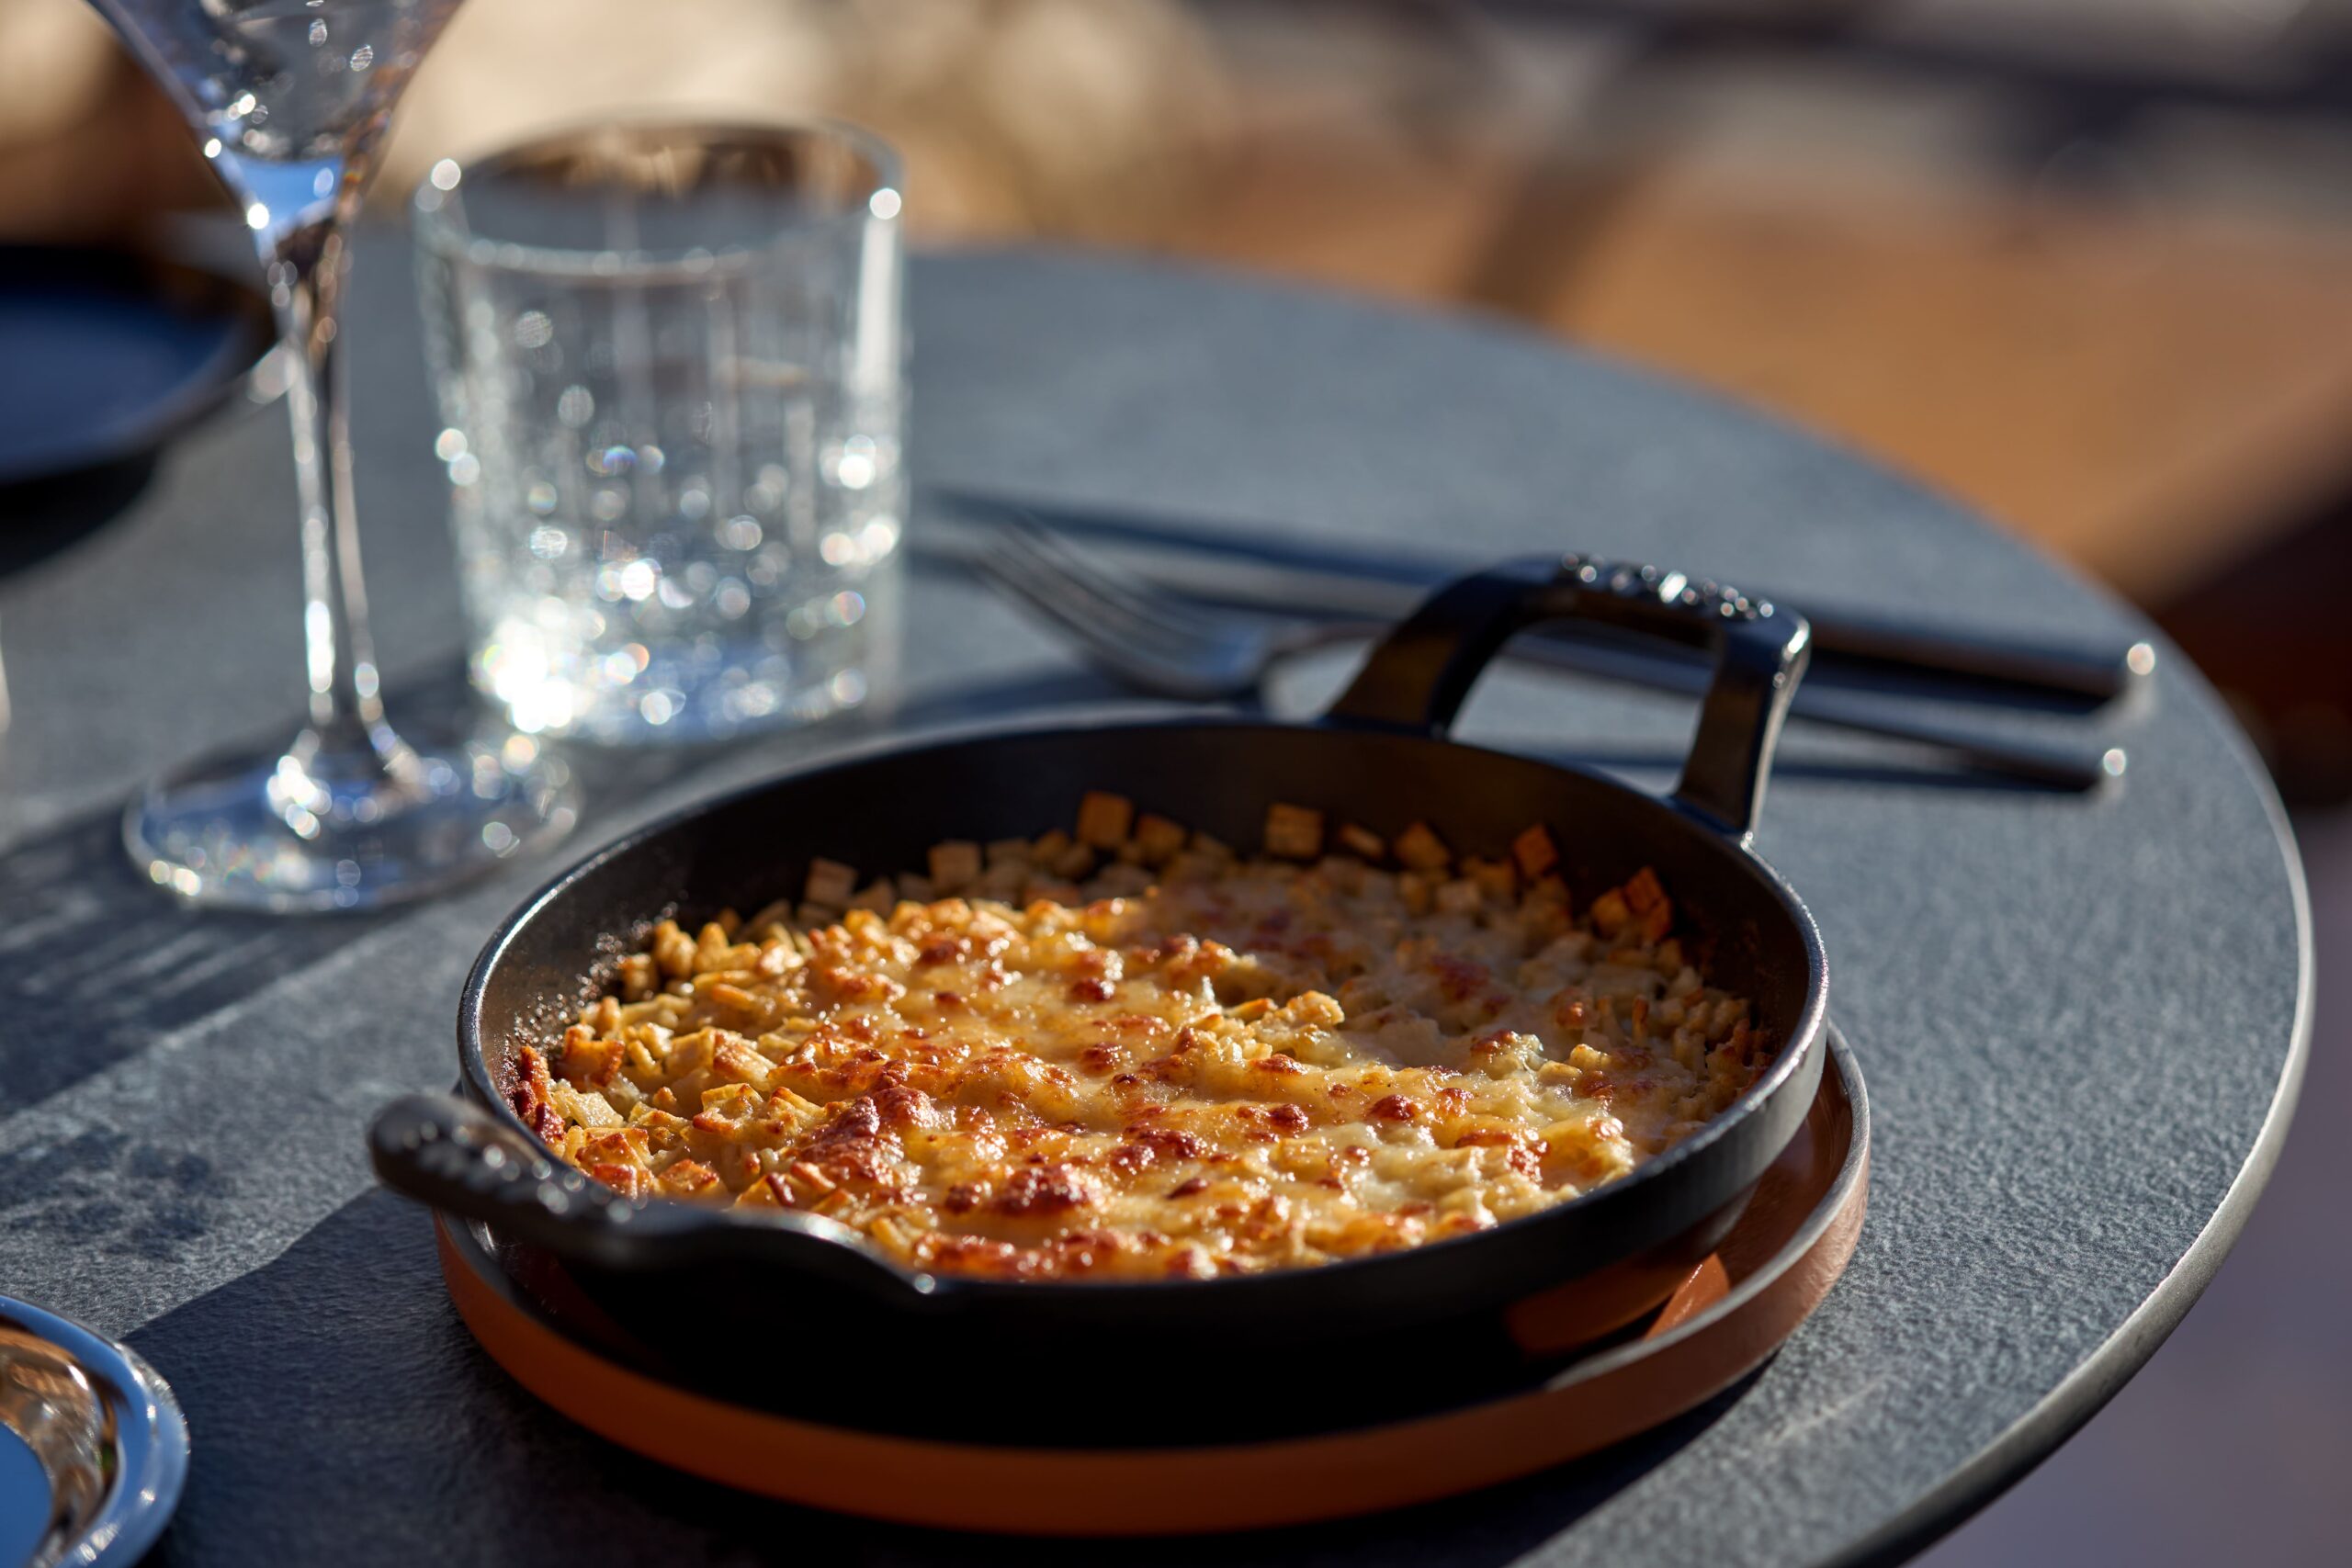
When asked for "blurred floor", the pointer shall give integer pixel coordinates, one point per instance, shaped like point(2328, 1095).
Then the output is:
point(2235, 1444)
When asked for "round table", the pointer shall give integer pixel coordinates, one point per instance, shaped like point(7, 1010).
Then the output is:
point(2083, 1019)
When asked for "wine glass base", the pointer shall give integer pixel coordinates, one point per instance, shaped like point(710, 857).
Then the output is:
point(219, 831)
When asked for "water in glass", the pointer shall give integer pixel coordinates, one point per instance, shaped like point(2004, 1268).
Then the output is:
point(674, 450)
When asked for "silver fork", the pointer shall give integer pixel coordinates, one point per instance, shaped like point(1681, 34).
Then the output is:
point(1152, 640)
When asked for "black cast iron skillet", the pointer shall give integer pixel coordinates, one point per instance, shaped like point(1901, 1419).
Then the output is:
point(802, 1304)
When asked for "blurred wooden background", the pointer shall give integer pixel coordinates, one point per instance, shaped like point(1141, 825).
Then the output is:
point(2086, 264)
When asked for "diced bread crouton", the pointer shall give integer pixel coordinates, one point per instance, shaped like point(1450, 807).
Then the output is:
point(672, 950)
point(639, 977)
point(1002, 881)
point(589, 1061)
point(1293, 831)
point(1534, 851)
point(1362, 841)
point(1420, 849)
point(877, 895)
point(1121, 880)
point(1642, 891)
point(1611, 913)
point(734, 1060)
point(1103, 819)
point(1495, 877)
point(689, 1177)
point(954, 863)
point(1158, 838)
point(830, 883)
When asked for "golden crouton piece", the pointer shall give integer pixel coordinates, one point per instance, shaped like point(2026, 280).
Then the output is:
point(759, 1194)
point(1644, 893)
point(1293, 831)
point(587, 1060)
point(1647, 899)
point(954, 863)
point(1611, 914)
point(735, 1061)
point(689, 1177)
point(1421, 850)
point(1495, 877)
point(877, 895)
point(1414, 889)
point(1158, 838)
point(1534, 851)
point(1103, 819)
point(1362, 841)
point(673, 950)
point(830, 882)
point(639, 976)
point(1001, 880)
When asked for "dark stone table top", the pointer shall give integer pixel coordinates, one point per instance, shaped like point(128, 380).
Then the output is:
point(2081, 1019)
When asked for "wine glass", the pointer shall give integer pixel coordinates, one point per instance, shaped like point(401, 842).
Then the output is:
point(290, 98)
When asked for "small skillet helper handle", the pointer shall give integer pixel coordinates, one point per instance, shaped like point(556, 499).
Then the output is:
point(451, 1154)
point(446, 1152)
point(1419, 675)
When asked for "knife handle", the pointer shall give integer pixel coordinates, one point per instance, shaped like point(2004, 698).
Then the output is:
point(1856, 641)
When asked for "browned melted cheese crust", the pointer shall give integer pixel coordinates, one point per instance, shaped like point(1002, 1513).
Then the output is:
point(1207, 1067)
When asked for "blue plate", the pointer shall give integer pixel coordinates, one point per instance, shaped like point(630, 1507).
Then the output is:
point(92, 1447)
point(107, 354)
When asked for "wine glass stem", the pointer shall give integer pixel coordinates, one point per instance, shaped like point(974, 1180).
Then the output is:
point(347, 706)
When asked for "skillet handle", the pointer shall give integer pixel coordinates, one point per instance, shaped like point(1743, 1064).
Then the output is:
point(451, 1154)
point(1419, 676)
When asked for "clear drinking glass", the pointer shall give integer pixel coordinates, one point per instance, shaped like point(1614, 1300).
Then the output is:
point(671, 370)
point(288, 100)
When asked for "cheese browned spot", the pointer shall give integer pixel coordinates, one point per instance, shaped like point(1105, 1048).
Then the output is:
point(1192, 1064)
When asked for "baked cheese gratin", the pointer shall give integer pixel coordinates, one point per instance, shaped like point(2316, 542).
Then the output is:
point(1129, 1053)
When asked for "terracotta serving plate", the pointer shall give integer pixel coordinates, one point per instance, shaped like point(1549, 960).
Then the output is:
point(1723, 1320)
